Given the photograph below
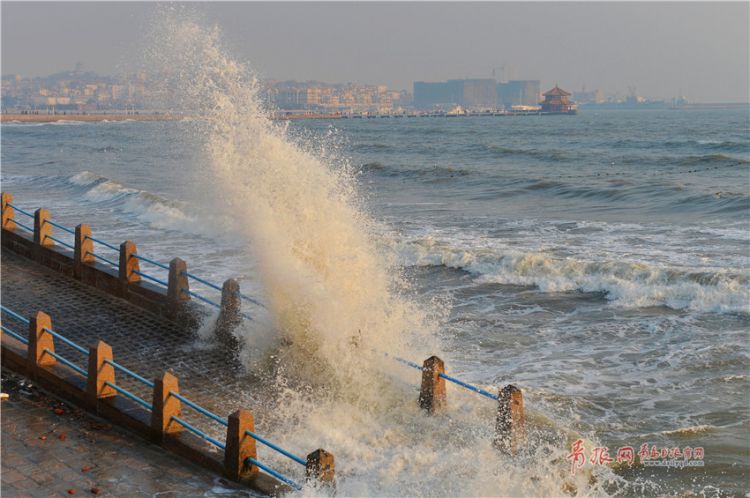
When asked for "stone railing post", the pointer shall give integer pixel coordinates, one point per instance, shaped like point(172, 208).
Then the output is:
point(509, 426)
point(128, 264)
point(320, 466)
point(83, 254)
point(432, 395)
point(100, 372)
point(8, 212)
point(39, 340)
point(240, 446)
point(42, 229)
point(178, 281)
point(229, 314)
point(165, 407)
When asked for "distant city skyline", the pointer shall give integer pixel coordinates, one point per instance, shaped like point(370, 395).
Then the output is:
point(665, 50)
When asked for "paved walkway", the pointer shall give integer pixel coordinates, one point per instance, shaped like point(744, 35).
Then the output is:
point(141, 341)
point(52, 449)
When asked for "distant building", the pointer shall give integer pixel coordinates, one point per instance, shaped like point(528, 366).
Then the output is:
point(479, 93)
point(473, 93)
point(443, 94)
point(518, 93)
point(556, 101)
point(592, 97)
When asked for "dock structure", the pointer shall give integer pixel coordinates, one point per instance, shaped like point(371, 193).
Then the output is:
point(88, 322)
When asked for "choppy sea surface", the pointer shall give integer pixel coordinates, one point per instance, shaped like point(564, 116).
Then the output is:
point(599, 261)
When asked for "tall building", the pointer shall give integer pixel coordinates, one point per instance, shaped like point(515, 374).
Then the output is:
point(476, 93)
point(443, 94)
point(479, 94)
point(518, 92)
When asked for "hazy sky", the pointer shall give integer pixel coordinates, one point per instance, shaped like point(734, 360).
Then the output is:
point(699, 49)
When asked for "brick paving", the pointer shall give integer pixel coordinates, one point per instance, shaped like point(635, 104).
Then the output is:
point(69, 453)
point(141, 341)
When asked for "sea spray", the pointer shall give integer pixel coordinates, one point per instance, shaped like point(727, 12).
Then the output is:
point(331, 294)
point(337, 303)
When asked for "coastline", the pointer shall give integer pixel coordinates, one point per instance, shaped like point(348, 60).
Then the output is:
point(51, 118)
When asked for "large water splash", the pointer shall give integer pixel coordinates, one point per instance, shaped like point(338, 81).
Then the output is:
point(335, 300)
point(331, 293)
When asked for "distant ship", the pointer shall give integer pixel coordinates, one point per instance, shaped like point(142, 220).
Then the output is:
point(556, 102)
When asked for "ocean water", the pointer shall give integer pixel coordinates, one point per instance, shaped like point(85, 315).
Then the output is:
point(599, 262)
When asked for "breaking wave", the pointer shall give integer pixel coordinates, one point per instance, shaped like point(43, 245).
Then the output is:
point(626, 284)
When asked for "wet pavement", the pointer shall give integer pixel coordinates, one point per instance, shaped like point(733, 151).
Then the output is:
point(50, 448)
point(146, 344)
point(141, 341)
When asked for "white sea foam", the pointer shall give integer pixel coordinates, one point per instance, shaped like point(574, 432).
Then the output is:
point(626, 283)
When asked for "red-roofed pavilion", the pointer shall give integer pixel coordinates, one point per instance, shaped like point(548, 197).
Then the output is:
point(556, 102)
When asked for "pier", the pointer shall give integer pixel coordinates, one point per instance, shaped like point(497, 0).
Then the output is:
point(110, 330)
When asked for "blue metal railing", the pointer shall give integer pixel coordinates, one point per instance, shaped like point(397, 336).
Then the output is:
point(250, 299)
point(149, 406)
point(151, 261)
point(15, 315)
point(470, 387)
point(23, 226)
point(141, 258)
point(153, 279)
point(21, 210)
point(225, 423)
point(60, 242)
point(67, 362)
point(67, 341)
point(204, 282)
point(111, 263)
point(216, 287)
point(130, 395)
point(199, 432)
point(279, 449)
point(13, 334)
point(64, 229)
point(204, 299)
point(200, 409)
point(277, 475)
point(130, 373)
point(114, 248)
point(459, 382)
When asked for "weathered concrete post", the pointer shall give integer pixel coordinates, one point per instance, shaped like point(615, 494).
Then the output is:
point(165, 407)
point(178, 281)
point(240, 446)
point(230, 300)
point(100, 372)
point(128, 265)
point(229, 315)
point(39, 340)
point(83, 254)
point(8, 212)
point(432, 396)
point(320, 466)
point(42, 229)
point(509, 426)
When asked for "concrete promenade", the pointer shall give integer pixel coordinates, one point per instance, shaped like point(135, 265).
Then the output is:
point(142, 341)
point(51, 449)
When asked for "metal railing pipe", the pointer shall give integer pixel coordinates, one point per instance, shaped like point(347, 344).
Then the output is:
point(199, 432)
point(13, 334)
point(14, 314)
